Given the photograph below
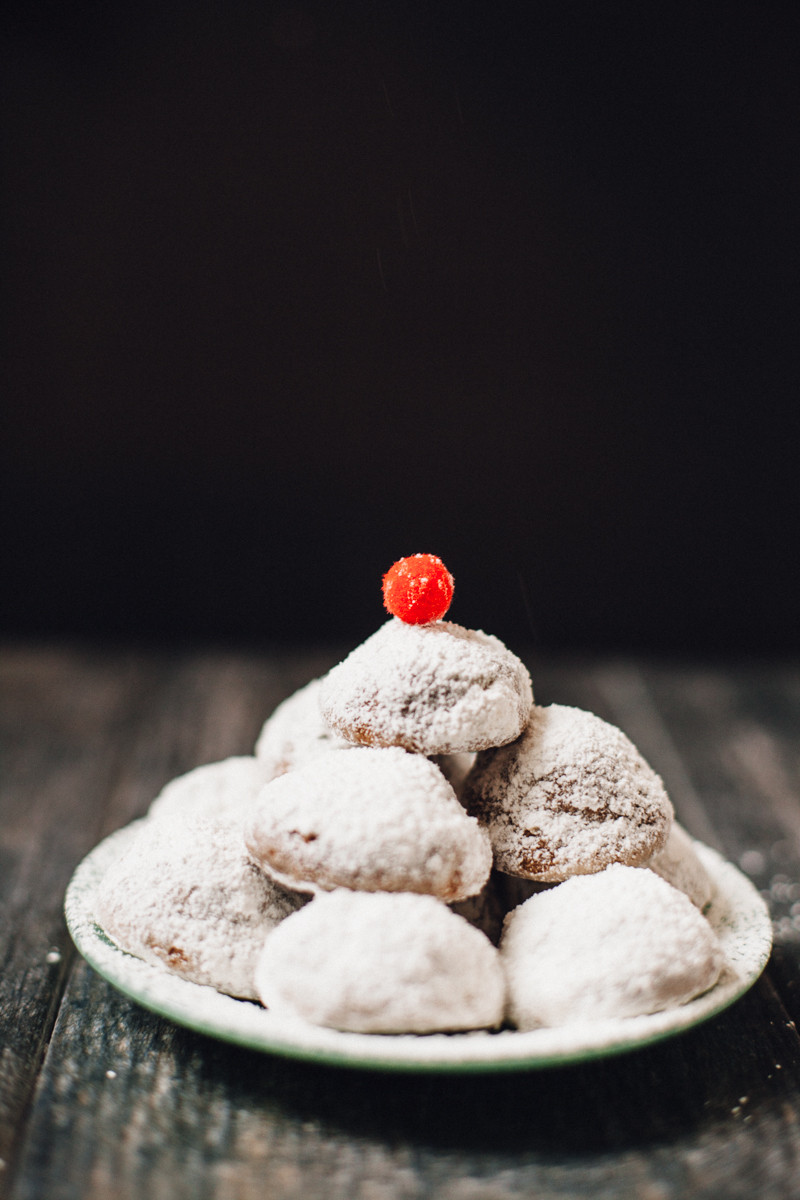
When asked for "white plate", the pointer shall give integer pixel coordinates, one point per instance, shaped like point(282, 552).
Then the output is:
point(737, 913)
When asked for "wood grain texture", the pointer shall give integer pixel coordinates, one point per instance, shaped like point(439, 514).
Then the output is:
point(185, 1116)
point(99, 1098)
point(62, 733)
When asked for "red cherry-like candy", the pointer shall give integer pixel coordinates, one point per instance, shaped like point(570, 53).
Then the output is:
point(418, 589)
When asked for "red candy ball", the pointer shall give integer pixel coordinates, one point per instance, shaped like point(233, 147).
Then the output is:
point(418, 589)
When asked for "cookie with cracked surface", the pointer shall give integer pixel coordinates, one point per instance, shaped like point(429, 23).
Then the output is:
point(372, 820)
point(379, 962)
point(569, 797)
point(431, 689)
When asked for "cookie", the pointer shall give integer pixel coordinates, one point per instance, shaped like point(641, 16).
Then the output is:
point(371, 820)
point(296, 732)
point(679, 863)
point(569, 797)
point(455, 768)
point(620, 943)
point(487, 909)
point(220, 791)
point(432, 689)
point(186, 897)
point(381, 963)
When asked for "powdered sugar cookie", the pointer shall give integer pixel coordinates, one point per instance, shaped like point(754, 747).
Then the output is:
point(433, 689)
point(487, 909)
point(679, 863)
point(616, 944)
point(297, 732)
point(372, 820)
point(186, 897)
point(221, 791)
point(568, 797)
point(382, 963)
point(455, 768)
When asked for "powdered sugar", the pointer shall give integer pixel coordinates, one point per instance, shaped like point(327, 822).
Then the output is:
point(297, 732)
point(679, 863)
point(374, 832)
point(185, 896)
point(380, 963)
point(620, 943)
point(737, 914)
point(374, 819)
point(222, 791)
point(569, 797)
point(455, 768)
point(433, 689)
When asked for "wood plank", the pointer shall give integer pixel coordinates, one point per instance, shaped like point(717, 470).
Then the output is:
point(132, 1106)
point(86, 741)
point(714, 1112)
point(60, 736)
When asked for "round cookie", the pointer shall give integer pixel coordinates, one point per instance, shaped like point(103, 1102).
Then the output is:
point(221, 791)
point(679, 863)
point(432, 689)
point(382, 963)
point(297, 732)
point(569, 797)
point(486, 910)
point(455, 768)
point(620, 943)
point(186, 897)
point(373, 820)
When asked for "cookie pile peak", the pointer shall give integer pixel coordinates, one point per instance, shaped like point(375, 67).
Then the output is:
point(418, 589)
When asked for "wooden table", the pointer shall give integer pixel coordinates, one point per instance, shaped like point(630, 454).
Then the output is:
point(99, 1098)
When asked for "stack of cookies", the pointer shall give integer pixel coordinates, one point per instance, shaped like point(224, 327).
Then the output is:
point(354, 871)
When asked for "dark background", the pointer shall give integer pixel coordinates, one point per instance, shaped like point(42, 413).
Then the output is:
point(294, 290)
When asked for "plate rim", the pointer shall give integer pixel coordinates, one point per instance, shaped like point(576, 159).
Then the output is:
point(736, 904)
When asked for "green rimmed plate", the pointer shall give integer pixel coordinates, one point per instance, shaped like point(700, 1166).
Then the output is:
point(737, 913)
